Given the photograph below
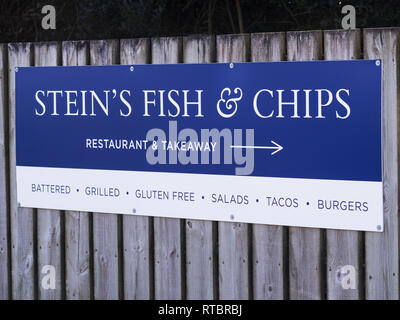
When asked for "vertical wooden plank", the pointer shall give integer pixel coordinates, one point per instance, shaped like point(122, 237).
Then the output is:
point(382, 249)
point(77, 231)
point(233, 237)
point(168, 233)
point(49, 221)
point(4, 234)
point(200, 235)
point(105, 226)
point(305, 244)
point(22, 219)
point(269, 242)
point(343, 247)
point(137, 230)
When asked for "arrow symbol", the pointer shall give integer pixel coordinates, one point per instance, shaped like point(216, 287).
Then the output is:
point(277, 147)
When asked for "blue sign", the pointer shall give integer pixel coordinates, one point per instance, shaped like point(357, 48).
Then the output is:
point(317, 120)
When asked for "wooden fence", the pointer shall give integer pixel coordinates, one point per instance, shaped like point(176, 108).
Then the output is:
point(107, 256)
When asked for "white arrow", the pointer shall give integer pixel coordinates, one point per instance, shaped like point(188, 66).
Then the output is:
point(277, 147)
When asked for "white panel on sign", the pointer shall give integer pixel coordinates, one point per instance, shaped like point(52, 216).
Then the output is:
point(178, 195)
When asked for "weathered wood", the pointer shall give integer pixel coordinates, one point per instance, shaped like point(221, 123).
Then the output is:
point(4, 234)
point(49, 221)
point(77, 230)
point(382, 249)
point(343, 247)
point(168, 233)
point(200, 235)
point(138, 259)
point(305, 244)
point(77, 256)
point(234, 282)
point(269, 242)
point(105, 226)
point(22, 219)
point(264, 276)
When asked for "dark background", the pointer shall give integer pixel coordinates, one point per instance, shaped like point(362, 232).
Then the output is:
point(20, 20)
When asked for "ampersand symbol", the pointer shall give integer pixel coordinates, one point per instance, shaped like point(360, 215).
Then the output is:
point(229, 105)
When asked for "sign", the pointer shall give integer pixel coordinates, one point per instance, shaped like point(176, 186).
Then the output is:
point(281, 143)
